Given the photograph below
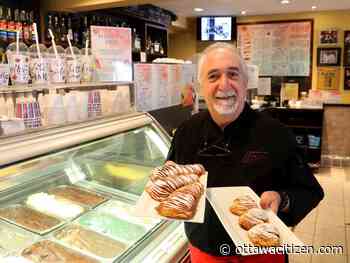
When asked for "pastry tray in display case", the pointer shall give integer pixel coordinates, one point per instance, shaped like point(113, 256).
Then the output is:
point(48, 251)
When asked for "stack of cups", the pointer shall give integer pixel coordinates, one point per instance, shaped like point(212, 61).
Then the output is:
point(73, 65)
point(57, 65)
point(94, 104)
point(28, 110)
point(39, 65)
point(18, 57)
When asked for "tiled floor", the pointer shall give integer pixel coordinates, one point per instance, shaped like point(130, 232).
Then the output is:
point(329, 223)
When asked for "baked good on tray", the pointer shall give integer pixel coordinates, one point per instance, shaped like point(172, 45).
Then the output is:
point(242, 204)
point(171, 169)
point(182, 203)
point(161, 188)
point(253, 217)
point(264, 234)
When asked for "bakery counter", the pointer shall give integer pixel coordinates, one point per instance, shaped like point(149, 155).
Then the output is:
point(76, 204)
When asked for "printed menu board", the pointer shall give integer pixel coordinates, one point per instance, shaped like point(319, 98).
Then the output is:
point(162, 85)
point(111, 47)
point(277, 48)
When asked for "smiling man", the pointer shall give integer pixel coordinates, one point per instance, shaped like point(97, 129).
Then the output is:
point(240, 147)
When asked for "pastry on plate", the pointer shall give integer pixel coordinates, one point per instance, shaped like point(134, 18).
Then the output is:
point(161, 188)
point(181, 204)
point(171, 169)
point(242, 204)
point(253, 217)
point(265, 235)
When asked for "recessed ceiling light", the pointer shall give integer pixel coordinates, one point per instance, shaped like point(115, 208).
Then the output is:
point(283, 2)
point(243, 12)
point(198, 9)
point(313, 7)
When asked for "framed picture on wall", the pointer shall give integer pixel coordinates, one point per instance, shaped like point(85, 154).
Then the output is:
point(328, 78)
point(329, 36)
point(346, 60)
point(328, 56)
point(347, 38)
point(346, 78)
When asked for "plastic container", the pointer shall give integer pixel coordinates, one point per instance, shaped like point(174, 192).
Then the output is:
point(39, 66)
point(87, 66)
point(4, 75)
point(57, 65)
point(19, 63)
point(73, 65)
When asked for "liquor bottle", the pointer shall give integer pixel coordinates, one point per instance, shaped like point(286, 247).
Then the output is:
point(161, 49)
point(25, 27)
point(63, 32)
point(76, 32)
point(49, 26)
point(93, 21)
point(109, 21)
point(156, 46)
point(11, 30)
point(57, 30)
point(85, 31)
point(3, 26)
point(31, 22)
point(18, 25)
point(136, 41)
point(70, 29)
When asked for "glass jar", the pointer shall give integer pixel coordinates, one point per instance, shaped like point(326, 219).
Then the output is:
point(39, 66)
point(73, 65)
point(57, 65)
point(19, 63)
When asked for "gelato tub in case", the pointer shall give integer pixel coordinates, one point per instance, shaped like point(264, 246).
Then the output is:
point(114, 227)
point(13, 238)
point(29, 219)
point(46, 251)
point(90, 241)
point(78, 195)
point(125, 211)
point(50, 205)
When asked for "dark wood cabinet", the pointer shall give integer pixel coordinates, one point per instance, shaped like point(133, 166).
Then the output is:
point(306, 125)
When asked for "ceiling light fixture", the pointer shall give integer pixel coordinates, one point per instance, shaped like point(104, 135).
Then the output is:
point(198, 9)
point(284, 2)
point(243, 12)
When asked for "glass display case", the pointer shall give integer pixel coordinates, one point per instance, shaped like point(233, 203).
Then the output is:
point(74, 202)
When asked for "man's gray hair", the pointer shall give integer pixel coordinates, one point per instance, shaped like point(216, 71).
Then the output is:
point(218, 45)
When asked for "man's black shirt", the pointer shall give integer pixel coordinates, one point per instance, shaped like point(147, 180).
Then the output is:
point(256, 151)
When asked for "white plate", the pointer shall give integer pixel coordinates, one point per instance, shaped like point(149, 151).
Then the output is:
point(145, 206)
point(221, 198)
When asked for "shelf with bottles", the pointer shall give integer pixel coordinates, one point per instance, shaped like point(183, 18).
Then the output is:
point(156, 41)
point(15, 19)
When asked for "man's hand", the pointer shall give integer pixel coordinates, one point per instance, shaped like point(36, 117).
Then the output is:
point(270, 199)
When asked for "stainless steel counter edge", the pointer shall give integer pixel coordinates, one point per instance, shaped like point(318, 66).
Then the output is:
point(23, 147)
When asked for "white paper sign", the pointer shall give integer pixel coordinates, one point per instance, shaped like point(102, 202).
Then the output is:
point(253, 76)
point(111, 47)
point(264, 86)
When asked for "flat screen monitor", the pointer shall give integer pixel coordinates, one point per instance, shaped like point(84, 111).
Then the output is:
point(216, 28)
